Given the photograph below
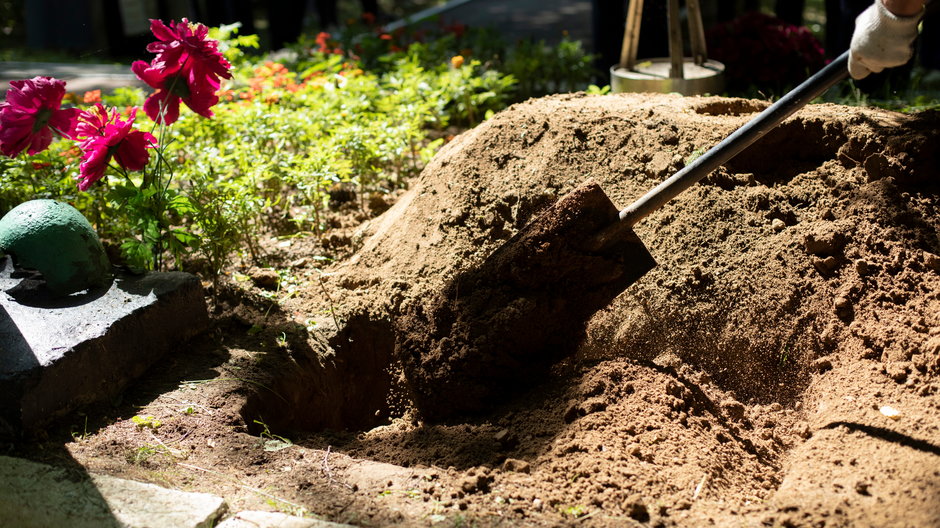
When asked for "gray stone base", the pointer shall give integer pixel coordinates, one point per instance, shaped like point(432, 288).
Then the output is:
point(35, 495)
point(60, 354)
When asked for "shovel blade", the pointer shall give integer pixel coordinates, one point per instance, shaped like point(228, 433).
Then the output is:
point(496, 329)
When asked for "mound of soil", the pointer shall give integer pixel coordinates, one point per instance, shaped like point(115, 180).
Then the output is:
point(780, 366)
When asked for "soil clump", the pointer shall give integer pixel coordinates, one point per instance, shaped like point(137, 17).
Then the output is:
point(497, 328)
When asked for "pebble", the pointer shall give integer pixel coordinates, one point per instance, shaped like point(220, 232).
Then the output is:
point(863, 267)
point(265, 278)
point(890, 412)
point(733, 408)
point(803, 430)
point(517, 466)
point(636, 509)
point(932, 261)
point(824, 244)
point(843, 306)
point(822, 364)
point(825, 266)
point(778, 225)
point(503, 436)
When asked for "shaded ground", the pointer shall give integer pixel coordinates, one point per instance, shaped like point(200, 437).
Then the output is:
point(744, 381)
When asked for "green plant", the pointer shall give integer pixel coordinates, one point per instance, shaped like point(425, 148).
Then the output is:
point(270, 441)
point(285, 135)
point(187, 68)
point(288, 507)
point(577, 511)
point(78, 437)
point(594, 89)
point(146, 422)
point(542, 69)
point(145, 452)
point(141, 454)
point(231, 44)
point(124, 97)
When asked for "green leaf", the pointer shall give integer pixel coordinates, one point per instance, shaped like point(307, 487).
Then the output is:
point(277, 444)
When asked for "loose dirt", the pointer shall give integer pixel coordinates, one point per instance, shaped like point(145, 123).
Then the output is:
point(779, 367)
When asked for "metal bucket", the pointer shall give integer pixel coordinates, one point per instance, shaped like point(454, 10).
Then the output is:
point(652, 75)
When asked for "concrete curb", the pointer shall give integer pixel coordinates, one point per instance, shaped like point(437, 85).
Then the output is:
point(34, 495)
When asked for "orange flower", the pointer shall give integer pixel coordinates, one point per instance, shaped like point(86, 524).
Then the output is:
point(385, 36)
point(323, 41)
point(92, 96)
point(456, 61)
point(72, 154)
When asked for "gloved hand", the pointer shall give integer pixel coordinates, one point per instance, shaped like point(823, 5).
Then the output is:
point(881, 40)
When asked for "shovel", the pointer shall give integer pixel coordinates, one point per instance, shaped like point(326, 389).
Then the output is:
point(498, 328)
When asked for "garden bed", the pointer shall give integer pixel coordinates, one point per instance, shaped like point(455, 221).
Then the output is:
point(780, 366)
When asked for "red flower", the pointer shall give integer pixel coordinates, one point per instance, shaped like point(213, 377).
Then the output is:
point(188, 66)
point(765, 52)
point(173, 86)
point(31, 113)
point(456, 28)
point(323, 41)
point(186, 43)
point(103, 136)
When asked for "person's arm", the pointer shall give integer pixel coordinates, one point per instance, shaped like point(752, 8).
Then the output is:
point(904, 8)
point(883, 36)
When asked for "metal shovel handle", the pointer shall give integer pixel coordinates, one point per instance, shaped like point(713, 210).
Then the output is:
point(740, 139)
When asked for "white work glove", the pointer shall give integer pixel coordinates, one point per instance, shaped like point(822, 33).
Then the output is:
point(881, 40)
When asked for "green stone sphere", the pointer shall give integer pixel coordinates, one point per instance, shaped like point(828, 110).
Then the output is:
point(55, 239)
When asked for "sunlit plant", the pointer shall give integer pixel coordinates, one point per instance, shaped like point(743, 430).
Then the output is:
point(187, 68)
point(352, 118)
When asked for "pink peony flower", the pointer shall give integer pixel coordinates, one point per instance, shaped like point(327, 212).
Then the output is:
point(31, 113)
point(173, 86)
point(103, 136)
point(187, 67)
point(187, 43)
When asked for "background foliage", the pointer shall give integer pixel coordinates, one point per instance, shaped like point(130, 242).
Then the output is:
point(356, 116)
